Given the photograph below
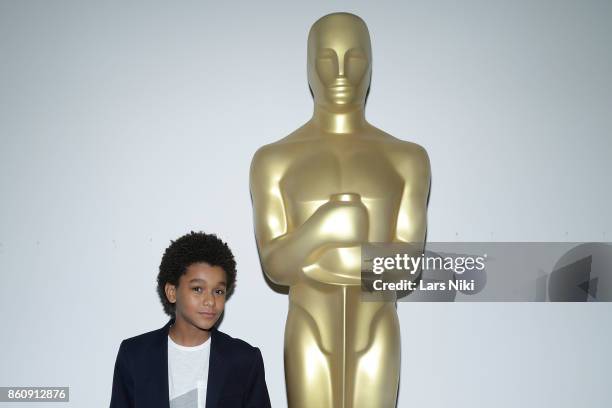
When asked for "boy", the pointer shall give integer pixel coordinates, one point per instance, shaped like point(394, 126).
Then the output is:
point(188, 363)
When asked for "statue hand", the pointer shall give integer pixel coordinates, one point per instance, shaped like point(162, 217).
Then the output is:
point(342, 220)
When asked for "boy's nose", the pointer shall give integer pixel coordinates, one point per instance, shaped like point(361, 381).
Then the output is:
point(209, 300)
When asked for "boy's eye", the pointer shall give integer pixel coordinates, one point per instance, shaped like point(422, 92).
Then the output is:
point(220, 291)
point(197, 289)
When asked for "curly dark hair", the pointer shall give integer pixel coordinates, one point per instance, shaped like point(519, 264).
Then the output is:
point(191, 248)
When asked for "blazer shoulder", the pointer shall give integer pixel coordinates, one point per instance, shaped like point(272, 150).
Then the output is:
point(140, 341)
point(236, 344)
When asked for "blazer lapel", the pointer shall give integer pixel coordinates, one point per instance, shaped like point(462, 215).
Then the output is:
point(157, 385)
point(217, 369)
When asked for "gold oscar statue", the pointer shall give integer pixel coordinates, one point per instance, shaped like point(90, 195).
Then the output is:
point(318, 194)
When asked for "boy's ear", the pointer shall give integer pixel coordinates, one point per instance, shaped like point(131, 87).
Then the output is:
point(170, 290)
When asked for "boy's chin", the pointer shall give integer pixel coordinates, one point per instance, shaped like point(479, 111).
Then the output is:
point(205, 324)
point(206, 327)
point(200, 321)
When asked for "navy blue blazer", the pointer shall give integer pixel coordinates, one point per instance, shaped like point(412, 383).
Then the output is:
point(235, 373)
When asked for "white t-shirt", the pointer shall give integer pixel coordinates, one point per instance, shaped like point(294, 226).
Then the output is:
point(188, 374)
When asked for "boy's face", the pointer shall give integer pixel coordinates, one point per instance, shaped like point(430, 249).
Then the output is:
point(199, 297)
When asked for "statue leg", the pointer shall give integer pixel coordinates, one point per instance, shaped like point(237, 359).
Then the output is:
point(376, 366)
point(307, 365)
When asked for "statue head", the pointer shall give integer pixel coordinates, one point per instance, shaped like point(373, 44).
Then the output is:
point(339, 61)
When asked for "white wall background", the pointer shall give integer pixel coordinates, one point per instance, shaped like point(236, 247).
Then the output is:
point(126, 124)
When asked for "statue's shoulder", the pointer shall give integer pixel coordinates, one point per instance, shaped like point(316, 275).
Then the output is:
point(408, 157)
point(280, 149)
point(412, 148)
point(274, 158)
point(399, 145)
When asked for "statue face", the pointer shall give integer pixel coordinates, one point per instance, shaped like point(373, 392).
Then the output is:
point(339, 61)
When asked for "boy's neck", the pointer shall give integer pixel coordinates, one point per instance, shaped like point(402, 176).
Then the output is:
point(186, 334)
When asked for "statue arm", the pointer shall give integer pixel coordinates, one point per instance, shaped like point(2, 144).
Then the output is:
point(412, 216)
point(287, 253)
point(270, 221)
